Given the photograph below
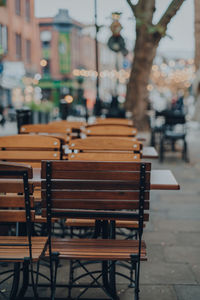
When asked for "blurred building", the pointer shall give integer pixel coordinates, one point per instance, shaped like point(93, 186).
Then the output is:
point(19, 49)
point(68, 60)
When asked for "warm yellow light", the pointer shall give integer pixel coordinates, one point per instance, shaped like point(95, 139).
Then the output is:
point(69, 99)
point(149, 87)
point(43, 63)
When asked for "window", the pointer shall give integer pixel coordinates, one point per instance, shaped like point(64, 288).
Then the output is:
point(3, 39)
point(28, 51)
point(18, 39)
point(28, 10)
point(18, 7)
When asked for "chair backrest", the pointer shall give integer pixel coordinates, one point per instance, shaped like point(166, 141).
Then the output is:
point(30, 149)
point(101, 144)
point(68, 124)
point(113, 121)
point(100, 149)
point(45, 128)
point(98, 190)
point(110, 130)
point(16, 200)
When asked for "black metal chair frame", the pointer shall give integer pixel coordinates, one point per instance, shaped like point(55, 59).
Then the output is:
point(108, 272)
point(168, 133)
point(27, 260)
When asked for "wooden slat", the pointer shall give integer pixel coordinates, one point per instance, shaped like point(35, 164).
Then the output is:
point(106, 156)
point(96, 214)
point(14, 201)
point(115, 130)
point(114, 121)
point(102, 175)
point(68, 124)
point(7, 166)
point(18, 253)
point(117, 195)
point(95, 143)
point(29, 155)
point(29, 141)
point(95, 185)
point(96, 204)
point(14, 215)
point(45, 128)
point(98, 166)
point(13, 186)
point(97, 249)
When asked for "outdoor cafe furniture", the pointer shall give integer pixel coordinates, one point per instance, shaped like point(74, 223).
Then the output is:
point(173, 130)
point(30, 149)
point(101, 190)
point(100, 148)
point(60, 131)
point(17, 205)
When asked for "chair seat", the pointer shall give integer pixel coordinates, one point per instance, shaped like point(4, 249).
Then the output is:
point(97, 249)
point(17, 253)
point(175, 135)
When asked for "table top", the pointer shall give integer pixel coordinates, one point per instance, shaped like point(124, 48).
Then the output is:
point(160, 179)
point(149, 152)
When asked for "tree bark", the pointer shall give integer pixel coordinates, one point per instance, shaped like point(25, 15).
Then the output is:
point(148, 37)
point(137, 93)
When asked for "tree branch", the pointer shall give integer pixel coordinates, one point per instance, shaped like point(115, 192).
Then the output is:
point(133, 6)
point(170, 13)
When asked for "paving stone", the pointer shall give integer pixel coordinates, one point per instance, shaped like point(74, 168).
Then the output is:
point(188, 238)
point(182, 254)
point(151, 293)
point(187, 292)
point(196, 270)
point(177, 225)
point(160, 238)
point(166, 273)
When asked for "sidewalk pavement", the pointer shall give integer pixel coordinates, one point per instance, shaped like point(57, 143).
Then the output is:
point(172, 271)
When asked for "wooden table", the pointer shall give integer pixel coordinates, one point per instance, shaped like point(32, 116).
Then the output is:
point(160, 179)
point(149, 152)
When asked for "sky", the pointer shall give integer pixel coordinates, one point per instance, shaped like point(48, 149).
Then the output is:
point(180, 29)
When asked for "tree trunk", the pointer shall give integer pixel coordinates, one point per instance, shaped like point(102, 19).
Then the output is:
point(197, 33)
point(137, 93)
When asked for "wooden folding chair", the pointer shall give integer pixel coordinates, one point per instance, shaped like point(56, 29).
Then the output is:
point(59, 131)
point(17, 206)
point(104, 191)
point(30, 149)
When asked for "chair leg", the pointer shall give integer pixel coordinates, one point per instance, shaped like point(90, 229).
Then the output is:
point(137, 273)
point(185, 152)
point(161, 156)
point(15, 283)
point(25, 280)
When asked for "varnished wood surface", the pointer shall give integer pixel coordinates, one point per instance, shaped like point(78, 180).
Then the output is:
point(11, 252)
point(113, 121)
point(104, 156)
point(110, 130)
point(101, 144)
point(160, 179)
point(100, 249)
